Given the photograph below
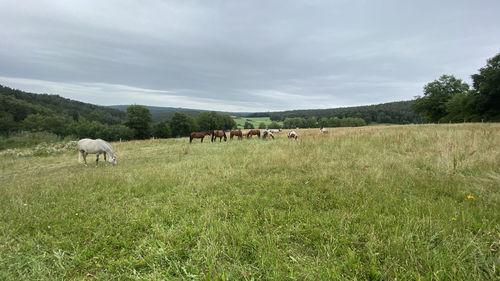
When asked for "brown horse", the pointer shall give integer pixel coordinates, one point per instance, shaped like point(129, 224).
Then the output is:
point(253, 132)
point(237, 133)
point(198, 135)
point(218, 134)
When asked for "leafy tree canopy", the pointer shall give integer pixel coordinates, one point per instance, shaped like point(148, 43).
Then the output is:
point(138, 118)
point(436, 94)
point(487, 86)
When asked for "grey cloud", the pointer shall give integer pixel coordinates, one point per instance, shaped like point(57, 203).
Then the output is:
point(235, 55)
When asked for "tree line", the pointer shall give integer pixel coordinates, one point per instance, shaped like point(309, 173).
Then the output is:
point(446, 99)
point(449, 99)
point(22, 111)
point(394, 112)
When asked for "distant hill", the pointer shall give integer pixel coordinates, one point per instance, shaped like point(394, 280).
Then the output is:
point(163, 113)
point(399, 112)
point(17, 104)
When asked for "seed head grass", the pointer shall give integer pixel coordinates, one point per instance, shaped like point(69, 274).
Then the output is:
point(379, 203)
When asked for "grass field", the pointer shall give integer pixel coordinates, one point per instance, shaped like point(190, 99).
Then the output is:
point(390, 202)
point(255, 121)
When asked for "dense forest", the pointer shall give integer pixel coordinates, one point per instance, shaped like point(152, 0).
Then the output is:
point(393, 112)
point(21, 111)
point(17, 105)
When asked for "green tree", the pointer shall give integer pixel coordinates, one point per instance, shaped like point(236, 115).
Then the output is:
point(88, 129)
point(436, 94)
point(274, 125)
point(248, 125)
point(208, 121)
point(262, 125)
point(41, 123)
point(182, 125)
point(7, 123)
point(486, 98)
point(323, 122)
point(162, 130)
point(227, 122)
point(115, 132)
point(292, 123)
point(138, 118)
point(311, 122)
point(458, 108)
point(334, 122)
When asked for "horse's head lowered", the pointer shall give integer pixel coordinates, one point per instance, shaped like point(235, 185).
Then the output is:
point(112, 159)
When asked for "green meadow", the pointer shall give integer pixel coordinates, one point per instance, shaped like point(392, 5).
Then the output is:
point(255, 121)
point(414, 202)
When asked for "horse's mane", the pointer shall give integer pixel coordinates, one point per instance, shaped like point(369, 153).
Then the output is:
point(108, 147)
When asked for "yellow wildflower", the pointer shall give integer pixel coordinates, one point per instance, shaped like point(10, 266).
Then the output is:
point(453, 219)
point(470, 197)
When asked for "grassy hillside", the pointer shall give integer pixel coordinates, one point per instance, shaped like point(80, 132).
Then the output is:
point(254, 120)
point(399, 112)
point(393, 202)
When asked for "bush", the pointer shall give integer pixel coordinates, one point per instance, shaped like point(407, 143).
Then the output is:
point(42, 149)
point(27, 139)
point(248, 125)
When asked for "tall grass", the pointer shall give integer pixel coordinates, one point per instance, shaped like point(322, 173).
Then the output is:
point(28, 139)
point(393, 202)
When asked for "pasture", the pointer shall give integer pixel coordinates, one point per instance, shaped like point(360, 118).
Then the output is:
point(388, 202)
point(255, 121)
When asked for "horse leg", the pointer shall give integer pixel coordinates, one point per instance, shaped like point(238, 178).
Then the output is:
point(104, 156)
point(190, 139)
point(96, 159)
point(84, 154)
point(202, 138)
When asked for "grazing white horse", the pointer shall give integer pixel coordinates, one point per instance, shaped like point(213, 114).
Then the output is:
point(292, 135)
point(276, 131)
point(323, 130)
point(98, 146)
point(267, 133)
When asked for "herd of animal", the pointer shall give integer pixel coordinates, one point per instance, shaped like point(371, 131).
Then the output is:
point(264, 134)
point(99, 146)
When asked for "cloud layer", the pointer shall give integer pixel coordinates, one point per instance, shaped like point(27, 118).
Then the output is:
point(242, 56)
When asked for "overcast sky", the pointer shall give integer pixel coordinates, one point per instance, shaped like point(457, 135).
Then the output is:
point(242, 55)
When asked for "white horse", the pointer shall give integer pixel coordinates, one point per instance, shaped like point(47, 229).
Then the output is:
point(292, 135)
point(98, 146)
point(276, 131)
point(323, 130)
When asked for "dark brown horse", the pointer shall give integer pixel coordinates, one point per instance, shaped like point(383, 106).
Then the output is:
point(237, 133)
point(253, 132)
point(198, 135)
point(218, 134)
